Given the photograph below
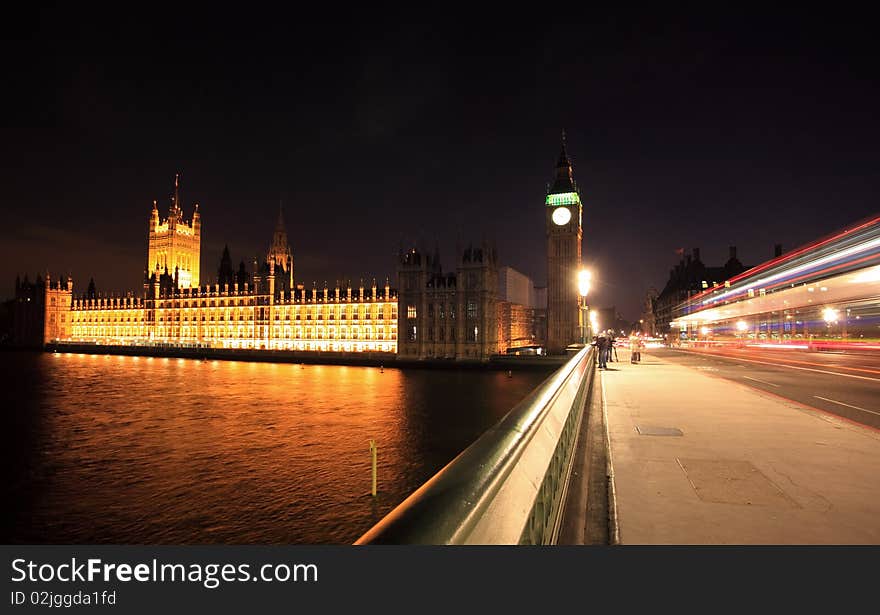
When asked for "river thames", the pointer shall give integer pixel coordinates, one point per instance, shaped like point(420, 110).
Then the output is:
point(142, 450)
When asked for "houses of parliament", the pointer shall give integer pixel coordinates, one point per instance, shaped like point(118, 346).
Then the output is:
point(262, 308)
point(477, 310)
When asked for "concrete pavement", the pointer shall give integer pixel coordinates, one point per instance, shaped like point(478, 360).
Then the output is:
point(747, 468)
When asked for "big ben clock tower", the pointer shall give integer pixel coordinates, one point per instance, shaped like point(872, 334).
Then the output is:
point(563, 218)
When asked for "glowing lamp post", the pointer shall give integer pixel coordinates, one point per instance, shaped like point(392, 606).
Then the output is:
point(830, 315)
point(584, 278)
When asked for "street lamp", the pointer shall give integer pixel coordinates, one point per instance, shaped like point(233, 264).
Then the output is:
point(830, 315)
point(584, 278)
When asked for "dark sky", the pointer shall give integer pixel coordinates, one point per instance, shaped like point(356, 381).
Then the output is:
point(690, 130)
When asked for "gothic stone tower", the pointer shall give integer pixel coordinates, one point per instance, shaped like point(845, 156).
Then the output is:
point(564, 233)
point(477, 294)
point(58, 299)
point(413, 272)
point(175, 244)
point(281, 255)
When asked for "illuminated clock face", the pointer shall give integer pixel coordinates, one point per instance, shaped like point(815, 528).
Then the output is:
point(561, 216)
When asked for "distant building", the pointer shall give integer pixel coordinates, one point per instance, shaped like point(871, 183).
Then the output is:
point(260, 309)
point(451, 315)
point(541, 313)
point(689, 277)
point(647, 320)
point(471, 313)
point(516, 287)
point(29, 313)
point(521, 318)
point(41, 311)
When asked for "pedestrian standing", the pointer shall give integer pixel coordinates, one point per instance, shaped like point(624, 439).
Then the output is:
point(601, 345)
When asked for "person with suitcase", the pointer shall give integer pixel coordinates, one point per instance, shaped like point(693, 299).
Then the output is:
point(635, 350)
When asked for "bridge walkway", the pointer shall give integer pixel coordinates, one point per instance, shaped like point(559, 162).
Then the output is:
point(698, 459)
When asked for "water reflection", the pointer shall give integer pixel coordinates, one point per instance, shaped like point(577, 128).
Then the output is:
point(113, 449)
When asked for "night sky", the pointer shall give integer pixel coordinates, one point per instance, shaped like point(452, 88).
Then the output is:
point(688, 130)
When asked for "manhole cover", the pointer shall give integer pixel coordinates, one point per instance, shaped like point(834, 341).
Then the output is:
point(646, 430)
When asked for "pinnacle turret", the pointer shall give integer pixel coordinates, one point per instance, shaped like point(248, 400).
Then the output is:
point(563, 155)
point(175, 201)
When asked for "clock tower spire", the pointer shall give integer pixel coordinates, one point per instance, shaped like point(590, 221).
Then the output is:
point(564, 233)
point(564, 177)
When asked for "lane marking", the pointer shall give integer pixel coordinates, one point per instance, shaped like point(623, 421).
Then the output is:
point(822, 412)
point(834, 401)
point(761, 381)
point(807, 369)
point(783, 361)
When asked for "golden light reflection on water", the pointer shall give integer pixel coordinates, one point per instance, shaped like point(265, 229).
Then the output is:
point(136, 450)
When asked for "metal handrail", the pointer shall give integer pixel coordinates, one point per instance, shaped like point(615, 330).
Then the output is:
point(506, 486)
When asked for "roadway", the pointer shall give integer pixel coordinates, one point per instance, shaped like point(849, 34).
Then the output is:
point(843, 384)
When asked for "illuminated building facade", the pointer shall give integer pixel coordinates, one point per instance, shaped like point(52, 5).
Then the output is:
point(517, 326)
point(174, 243)
point(564, 213)
point(259, 310)
point(255, 316)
